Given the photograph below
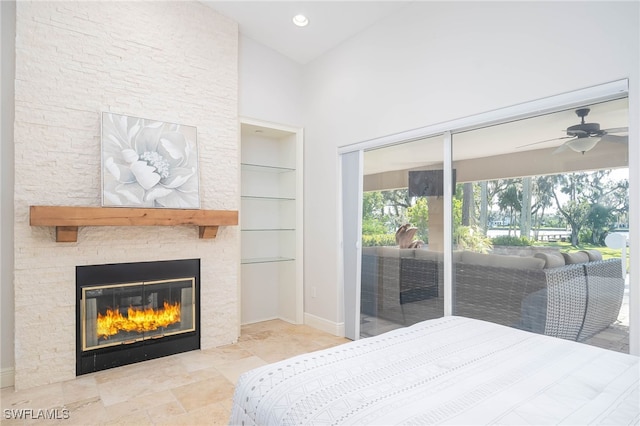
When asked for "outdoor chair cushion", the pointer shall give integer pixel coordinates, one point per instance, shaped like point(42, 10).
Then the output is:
point(551, 260)
point(594, 255)
point(501, 261)
point(578, 257)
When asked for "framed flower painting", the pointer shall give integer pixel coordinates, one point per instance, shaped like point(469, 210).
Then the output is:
point(148, 163)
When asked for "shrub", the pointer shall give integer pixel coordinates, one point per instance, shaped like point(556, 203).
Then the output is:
point(378, 240)
point(471, 238)
point(372, 227)
point(511, 240)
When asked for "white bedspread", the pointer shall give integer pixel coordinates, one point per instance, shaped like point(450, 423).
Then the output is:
point(450, 370)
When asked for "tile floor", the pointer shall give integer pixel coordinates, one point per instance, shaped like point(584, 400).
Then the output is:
point(193, 388)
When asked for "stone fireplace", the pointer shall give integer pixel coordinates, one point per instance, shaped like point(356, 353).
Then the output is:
point(75, 60)
point(132, 312)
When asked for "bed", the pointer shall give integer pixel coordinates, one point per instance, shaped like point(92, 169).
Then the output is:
point(450, 370)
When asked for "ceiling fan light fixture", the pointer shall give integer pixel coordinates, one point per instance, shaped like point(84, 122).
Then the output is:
point(583, 144)
point(300, 20)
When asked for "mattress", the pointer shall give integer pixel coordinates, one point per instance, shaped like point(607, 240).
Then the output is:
point(450, 370)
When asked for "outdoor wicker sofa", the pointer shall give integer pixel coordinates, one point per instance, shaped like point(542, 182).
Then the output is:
point(571, 301)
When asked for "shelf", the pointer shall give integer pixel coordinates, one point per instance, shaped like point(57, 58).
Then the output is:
point(253, 261)
point(268, 230)
point(271, 240)
point(67, 219)
point(265, 198)
point(266, 169)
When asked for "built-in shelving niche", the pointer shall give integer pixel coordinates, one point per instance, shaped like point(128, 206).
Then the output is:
point(271, 222)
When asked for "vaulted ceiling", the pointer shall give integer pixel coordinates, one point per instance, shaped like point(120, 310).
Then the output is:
point(333, 22)
point(330, 23)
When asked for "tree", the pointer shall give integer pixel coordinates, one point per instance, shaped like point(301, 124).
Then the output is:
point(599, 220)
point(575, 210)
point(372, 205)
point(397, 202)
point(592, 199)
point(484, 206)
point(525, 215)
point(373, 216)
point(418, 216)
point(456, 208)
point(467, 204)
point(509, 201)
point(493, 188)
point(608, 199)
point(542, 194)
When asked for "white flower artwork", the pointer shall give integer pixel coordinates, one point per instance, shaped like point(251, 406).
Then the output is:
point(148, 163)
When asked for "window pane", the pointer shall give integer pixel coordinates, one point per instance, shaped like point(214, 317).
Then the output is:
point(402, 236)
point(536, 203)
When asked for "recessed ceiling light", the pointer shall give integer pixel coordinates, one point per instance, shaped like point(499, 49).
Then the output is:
point(300, 20)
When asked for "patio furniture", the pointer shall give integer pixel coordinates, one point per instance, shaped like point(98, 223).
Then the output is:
point(571, 301)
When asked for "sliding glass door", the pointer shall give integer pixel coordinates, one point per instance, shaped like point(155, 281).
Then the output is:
point(402, 236)
point(532, 235)
point(351, 167)
point(538, 218)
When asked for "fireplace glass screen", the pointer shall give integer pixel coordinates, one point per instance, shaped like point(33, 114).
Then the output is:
point(127, 313)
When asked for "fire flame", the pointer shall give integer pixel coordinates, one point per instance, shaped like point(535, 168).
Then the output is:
point(139, 320)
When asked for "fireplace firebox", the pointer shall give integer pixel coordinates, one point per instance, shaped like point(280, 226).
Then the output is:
point(131, 312)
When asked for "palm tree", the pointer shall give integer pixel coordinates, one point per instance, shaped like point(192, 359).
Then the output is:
point(509, 201)
point(576, 209)
point(525, 212)
point(542, 192)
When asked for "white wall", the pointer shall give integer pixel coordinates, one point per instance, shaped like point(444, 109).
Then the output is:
point(7, 51)
point(432, 62)
point(270, 85)
point(168, 61)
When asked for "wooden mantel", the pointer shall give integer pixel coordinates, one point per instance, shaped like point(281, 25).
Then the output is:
point(67, 219)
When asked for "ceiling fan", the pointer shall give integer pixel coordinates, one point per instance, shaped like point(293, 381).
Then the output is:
point(585, 136)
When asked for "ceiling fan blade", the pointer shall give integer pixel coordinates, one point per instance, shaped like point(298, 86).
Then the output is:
point(616, 130)
point(615, 138)
point(546, 140)
point(562, 148)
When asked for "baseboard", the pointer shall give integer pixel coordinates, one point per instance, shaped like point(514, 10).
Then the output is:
point(7, 377)
point(255, 321)
point(335, 328)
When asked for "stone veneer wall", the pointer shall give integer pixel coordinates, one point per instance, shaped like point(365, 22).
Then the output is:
point(169, 61)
